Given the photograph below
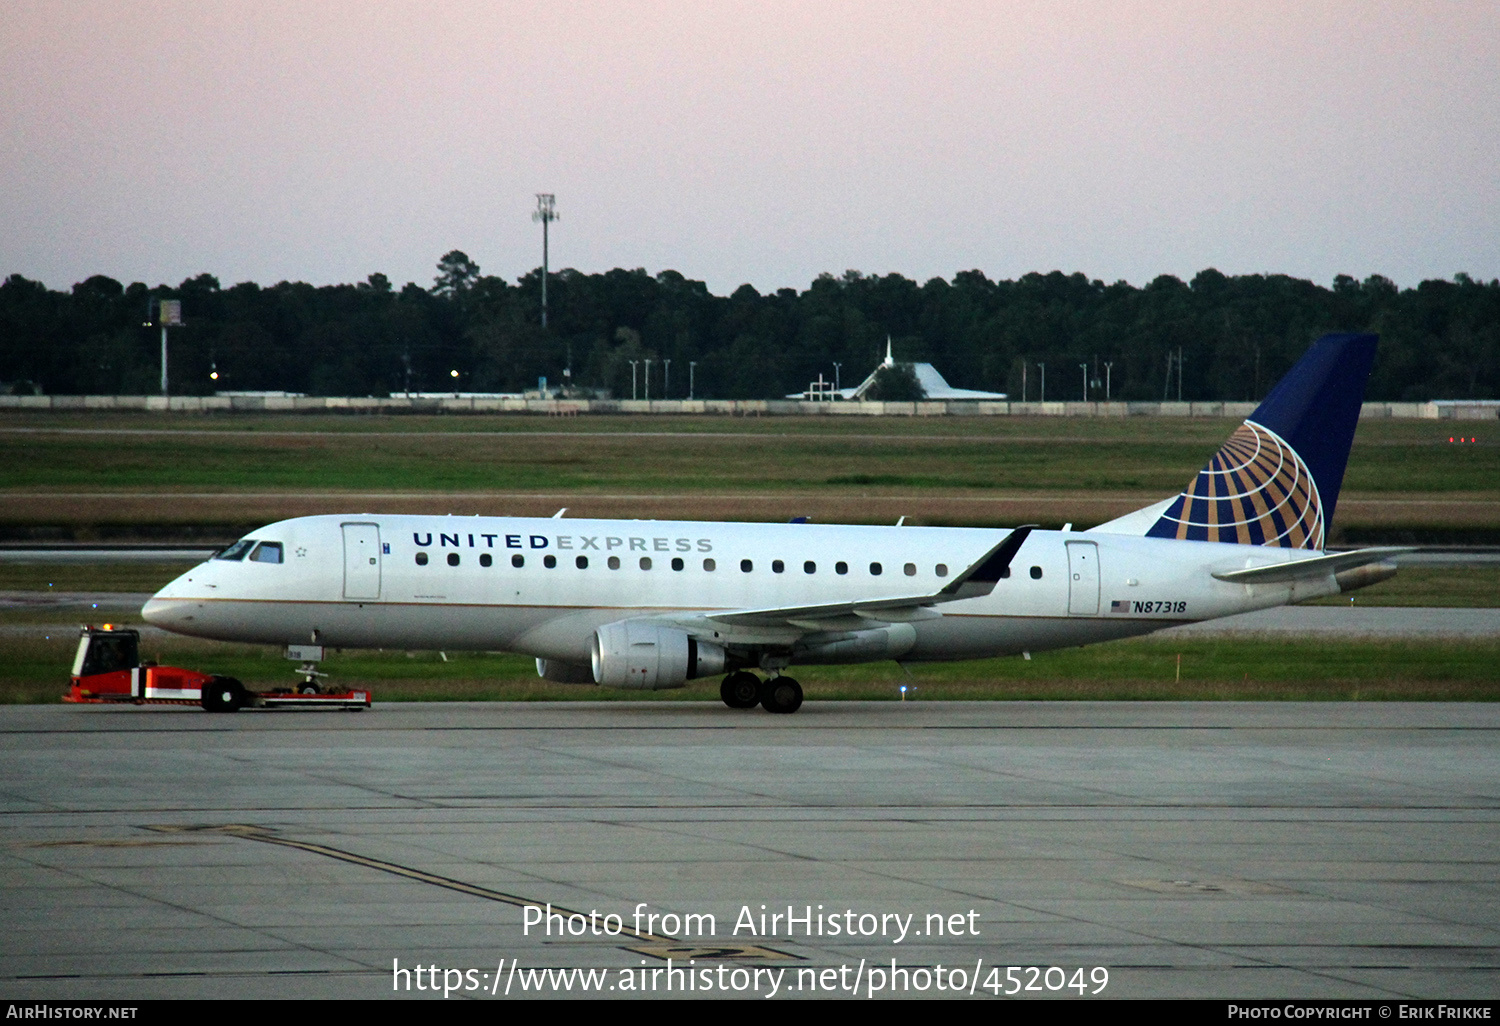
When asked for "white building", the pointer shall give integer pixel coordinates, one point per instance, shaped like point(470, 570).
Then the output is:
point(927, 375)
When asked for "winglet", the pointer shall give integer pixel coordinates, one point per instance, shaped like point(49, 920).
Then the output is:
point(980, 579)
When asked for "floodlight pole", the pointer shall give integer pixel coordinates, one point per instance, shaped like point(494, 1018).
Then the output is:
point(168, 312)
point(546, 212)
point(1043, 366)
point(648, 364)
point(1085, 367)
point(666, 381)
point(632, 378)
point(1107, 366)
point(692, 366)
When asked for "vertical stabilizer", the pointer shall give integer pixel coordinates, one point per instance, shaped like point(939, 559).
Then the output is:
point(1276, 480)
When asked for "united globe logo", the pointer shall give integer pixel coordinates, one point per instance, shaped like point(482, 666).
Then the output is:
point(1255, 491)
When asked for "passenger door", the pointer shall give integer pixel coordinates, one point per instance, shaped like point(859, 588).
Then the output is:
point(1083, 578)
point(361, 561)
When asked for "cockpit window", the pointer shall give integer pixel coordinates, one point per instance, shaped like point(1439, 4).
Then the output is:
point(237, 550)
point(266, 552)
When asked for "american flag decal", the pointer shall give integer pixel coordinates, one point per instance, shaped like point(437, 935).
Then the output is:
point(1119, 607)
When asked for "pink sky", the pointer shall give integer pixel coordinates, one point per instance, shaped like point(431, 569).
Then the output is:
point(758, 142)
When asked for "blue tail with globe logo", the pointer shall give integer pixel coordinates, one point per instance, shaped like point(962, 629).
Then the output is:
point(1276, 480)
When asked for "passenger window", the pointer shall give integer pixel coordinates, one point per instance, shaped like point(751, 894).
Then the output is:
point(677, 563)
point(777, 566)
point(518, 561)
point(841, 567)
point(645, 562)
point(549, 562)
point(746, 565)
point(875, 569)
point(614, 562)
point(910, 569)
point(453, 559)
point(710, 565)
point(582, 562)
point(809, 567)
point(1036, 573)
point(421, 559)
point(266, 552)
point(485, 559)
point(942, 569)
point(237, 550)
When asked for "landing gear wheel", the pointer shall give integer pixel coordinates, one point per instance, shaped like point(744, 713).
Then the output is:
point(781, 695)
point(224, 694)
point(740, 690)
point(309, 688)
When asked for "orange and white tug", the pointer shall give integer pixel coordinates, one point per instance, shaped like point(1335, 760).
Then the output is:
point(108, 668)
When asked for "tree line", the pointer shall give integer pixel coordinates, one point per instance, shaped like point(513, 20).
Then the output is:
point(480, 333)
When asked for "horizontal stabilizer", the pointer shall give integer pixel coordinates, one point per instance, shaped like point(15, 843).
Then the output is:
point(1309, 569)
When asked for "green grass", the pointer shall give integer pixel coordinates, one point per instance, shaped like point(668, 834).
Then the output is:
point(682, 454)
point(36, 658)
point(1474, 587)
point(116, 577)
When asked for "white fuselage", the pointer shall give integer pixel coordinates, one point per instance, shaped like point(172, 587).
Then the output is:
point(356, 581)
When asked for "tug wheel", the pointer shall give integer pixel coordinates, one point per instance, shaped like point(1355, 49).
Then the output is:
point(224, 694)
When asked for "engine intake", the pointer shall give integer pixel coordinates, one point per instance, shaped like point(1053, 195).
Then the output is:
point(648, 656)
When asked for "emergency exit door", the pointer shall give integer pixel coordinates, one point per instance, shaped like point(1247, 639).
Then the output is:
point(361, 561)
point(1083, 578)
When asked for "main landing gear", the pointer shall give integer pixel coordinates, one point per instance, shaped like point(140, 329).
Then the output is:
point(744, 690)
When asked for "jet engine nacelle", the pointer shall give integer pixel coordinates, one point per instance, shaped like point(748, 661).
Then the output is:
point(649, 656)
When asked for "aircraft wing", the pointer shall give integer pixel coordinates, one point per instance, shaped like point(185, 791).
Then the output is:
point(978, 579)
point(1309, 569)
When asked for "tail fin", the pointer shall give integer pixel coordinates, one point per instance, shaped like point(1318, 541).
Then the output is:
point(1276, 480)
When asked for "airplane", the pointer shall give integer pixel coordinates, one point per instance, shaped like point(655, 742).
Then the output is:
point(650, 604)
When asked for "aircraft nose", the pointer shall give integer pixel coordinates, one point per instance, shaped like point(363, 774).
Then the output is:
point(168, 614)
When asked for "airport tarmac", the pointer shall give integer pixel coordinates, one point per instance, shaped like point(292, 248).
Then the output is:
point(1193, 850)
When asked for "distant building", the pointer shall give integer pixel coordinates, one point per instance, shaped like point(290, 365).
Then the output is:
point(933, 383)
point(261, 395)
